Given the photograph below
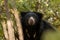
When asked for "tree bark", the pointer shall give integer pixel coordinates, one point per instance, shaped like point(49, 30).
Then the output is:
point(5, 30)
point(9, 22)
point(18, 22)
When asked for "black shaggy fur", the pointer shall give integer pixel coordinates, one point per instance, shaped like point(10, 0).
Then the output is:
point(36, 31)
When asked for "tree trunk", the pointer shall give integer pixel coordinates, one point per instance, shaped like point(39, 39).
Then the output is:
point(18, 22)
point(9, 22)
point(5, 30)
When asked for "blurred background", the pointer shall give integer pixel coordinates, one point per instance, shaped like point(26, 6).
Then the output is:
point(50, 9)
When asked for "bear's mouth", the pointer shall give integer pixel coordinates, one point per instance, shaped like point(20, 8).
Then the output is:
point(31, 21)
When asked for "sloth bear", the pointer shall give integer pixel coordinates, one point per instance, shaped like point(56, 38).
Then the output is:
point(34, 25)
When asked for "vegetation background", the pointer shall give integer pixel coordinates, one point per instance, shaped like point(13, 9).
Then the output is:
point(50, 9)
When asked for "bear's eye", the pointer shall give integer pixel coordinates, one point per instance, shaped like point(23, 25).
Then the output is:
point(31, 21)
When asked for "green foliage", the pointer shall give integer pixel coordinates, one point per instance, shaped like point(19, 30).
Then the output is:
point(1, 32)
point(50, 9)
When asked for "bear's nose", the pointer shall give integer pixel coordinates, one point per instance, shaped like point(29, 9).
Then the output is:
point(31, 21)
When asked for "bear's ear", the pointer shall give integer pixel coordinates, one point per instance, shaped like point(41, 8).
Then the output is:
point(23, 13)
point(40, 15)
